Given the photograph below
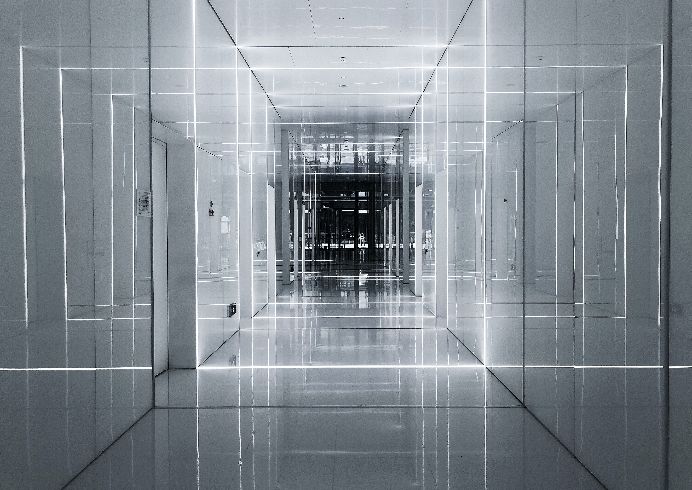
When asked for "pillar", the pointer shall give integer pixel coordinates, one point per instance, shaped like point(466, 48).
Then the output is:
point(285, 205)
point(405, 232)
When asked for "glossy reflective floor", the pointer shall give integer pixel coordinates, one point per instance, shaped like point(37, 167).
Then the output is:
point(347, 381)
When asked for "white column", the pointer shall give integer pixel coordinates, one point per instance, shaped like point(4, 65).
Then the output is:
point(385, 237)
point(271, 244)
point(441, 203)
point(285, 205)
point(245, 247)
point(530, 204)
point(160, 255)
point(390, 237)
point(397, 239)
point(302, 238)
point(418, 266)
point(182, 256)
point(405, 232)
point(296, 235)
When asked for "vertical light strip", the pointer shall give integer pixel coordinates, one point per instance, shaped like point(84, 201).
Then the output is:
point(624, 200)
point(194, 146)
point(237, 172)
point(64, 209)
point(660, 188)
point(523, 207)
point(197, 458)
point(64, 250)
point(112, 237)
point(134, 235)
point(484, 176)
point(24, 241)
point(252, 178)
point(557, 162)
point(583, 230)
point(24, 216)
point(446, 203)
point(483, 244)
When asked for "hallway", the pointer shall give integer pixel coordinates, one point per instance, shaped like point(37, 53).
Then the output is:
point(326, 244)
point(344, 382)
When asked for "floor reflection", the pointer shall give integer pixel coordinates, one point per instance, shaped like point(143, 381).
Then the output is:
point(379, 448)
point(346, 381)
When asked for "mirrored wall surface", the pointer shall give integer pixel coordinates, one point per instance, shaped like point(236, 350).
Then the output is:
point(76, 307)
point(553, 140)
point(547, 208)
point(204, 96)
point(679, 294)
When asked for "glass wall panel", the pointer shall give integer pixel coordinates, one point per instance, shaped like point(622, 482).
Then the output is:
point(502, 191)
point(215, 58)
point(554, 219)
point(75, 307)
point(259, 158)
point(592, 250)
point(427, 162)
point(466, 107)
point(680, 339)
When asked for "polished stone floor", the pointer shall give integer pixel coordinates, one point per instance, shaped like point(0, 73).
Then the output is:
point(346, 381)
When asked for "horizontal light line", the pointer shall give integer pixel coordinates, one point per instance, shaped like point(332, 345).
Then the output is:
point(320, 303)
point(420, 366)
point(347, 366)
point(350, 317)
point(345, 67)
point(118, 368)
point(313, 94)
point(106, 319)
point(605, 366)
point(342, 46)
point(363, 277)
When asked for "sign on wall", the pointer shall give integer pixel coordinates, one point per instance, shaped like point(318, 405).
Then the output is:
point(144, 203)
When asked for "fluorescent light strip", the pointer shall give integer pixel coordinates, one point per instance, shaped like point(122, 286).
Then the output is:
point(483, 200)
point(321, 303)
point(194, 133)
point(24, 216)
point(372, 366)
point(344, 366)
point(350, 317)
point(64, 206)
point(331, 68)
point(67, 369)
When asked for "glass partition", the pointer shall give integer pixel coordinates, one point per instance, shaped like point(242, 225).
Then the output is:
point(75, 313)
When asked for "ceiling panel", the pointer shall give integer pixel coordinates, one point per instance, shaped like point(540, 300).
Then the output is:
point(336, 23)
point(331, 59)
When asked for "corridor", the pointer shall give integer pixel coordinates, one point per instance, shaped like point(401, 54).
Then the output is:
point(363, 244)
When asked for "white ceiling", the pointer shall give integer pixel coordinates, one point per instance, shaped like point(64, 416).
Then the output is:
point(367, 61)
point(335, 61)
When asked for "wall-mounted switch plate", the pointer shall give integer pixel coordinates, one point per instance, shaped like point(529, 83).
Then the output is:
point(231, 310)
